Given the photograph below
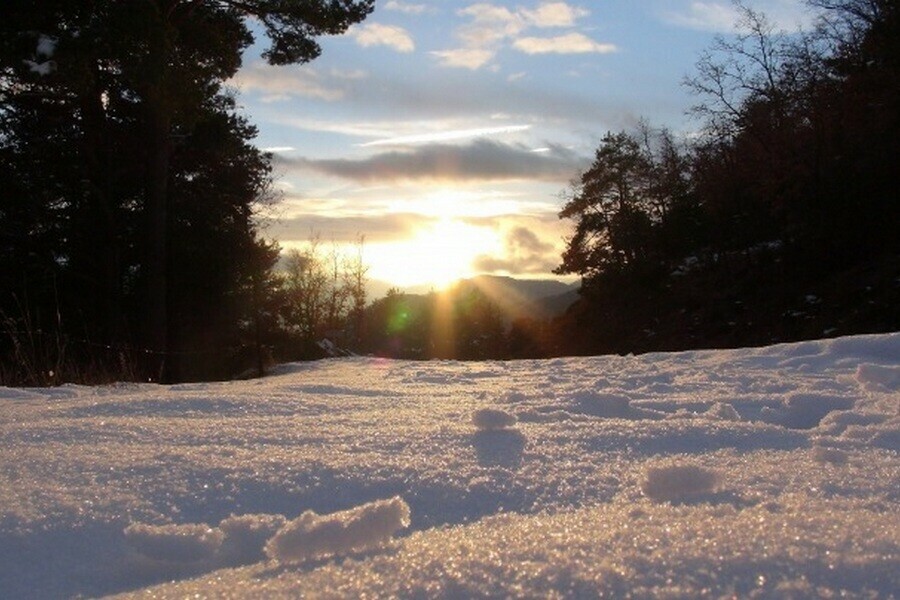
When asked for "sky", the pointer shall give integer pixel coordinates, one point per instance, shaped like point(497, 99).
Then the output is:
point(448, 133)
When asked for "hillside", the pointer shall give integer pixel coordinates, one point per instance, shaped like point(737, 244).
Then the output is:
point(524, 298)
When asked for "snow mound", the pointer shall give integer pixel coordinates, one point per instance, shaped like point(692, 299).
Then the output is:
point(805, 410)
point(174, 543)
point(312, 535)
point(609, 406)
point(245, 537)
point(492, 419)
point(878, 378)
point(723, 412)
point(824, 454)
point(679, 482)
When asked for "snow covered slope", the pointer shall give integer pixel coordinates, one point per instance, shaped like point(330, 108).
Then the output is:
point(770, 472)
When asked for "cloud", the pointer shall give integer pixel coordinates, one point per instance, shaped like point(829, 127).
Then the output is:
point(376, 34)
point(570, 43)
point(349, 128)
point(723, 17)
point(386, 227)
point(446, 136)
point(705, 16)
point(481, 160)
point(278, 149)
point(490, 24)
point(524, 240)
point(525, 253)
point(554, 14)
point(280, 83)
point(490, 27)
point(406, 7)
point(467, 58)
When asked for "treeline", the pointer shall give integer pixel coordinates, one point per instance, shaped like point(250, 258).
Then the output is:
point(130, 201)
point(778, 222)
point(130, 192)
point(461, 322)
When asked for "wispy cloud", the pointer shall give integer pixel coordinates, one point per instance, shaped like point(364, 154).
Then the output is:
point(705, 16)
point(406, 7)
point(446, 136)
point(347, 228)
point(278, 149)
point(466, 58)
point(481, 160)
point(349, 128)
point(723, 17)
point(376, 34)
point(571, 43)
point(399, 133)
point(290, 82)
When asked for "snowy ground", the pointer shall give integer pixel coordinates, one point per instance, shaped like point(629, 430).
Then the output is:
point(770, 472)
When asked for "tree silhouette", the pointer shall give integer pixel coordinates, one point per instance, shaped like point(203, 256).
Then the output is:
point(122, 142)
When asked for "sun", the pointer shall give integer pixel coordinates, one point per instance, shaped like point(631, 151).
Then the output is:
point(437, 256)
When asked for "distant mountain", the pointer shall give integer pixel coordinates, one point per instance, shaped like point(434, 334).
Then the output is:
point(559, 303)
point(536, 298)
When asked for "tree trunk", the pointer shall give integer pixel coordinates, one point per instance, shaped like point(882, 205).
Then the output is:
point(159, 123)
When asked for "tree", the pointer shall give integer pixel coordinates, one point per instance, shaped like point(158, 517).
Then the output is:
point(356, 280)
point(633, 183)
point(125, 95)
point(292, 28)
point(788, 194)
point(324, 294)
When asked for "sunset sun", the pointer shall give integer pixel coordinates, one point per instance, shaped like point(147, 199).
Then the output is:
point(436, 256)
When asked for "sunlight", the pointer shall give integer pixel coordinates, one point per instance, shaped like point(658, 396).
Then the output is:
point(437, 256)
point(459, 202)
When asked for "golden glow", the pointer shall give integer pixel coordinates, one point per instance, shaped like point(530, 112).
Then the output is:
point(437, 256)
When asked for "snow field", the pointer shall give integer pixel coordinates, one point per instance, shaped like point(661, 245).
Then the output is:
point(753, 472)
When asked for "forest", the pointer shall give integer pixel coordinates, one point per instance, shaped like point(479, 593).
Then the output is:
point(130, 240)
point(777, 222)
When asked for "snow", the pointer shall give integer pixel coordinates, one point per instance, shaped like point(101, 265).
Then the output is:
point(46, 46)
point(679, 482)
point(758, 472)
point(311, 535)
point(174, 543)
point(492, 419)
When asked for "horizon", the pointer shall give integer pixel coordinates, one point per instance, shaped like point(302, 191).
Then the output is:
point(447, 133)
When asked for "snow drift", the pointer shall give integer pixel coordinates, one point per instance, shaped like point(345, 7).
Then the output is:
point(757, 472)
point(174, 543)
point(311, 535)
